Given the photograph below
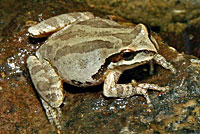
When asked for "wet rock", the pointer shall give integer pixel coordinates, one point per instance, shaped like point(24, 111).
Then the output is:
point(87, 110)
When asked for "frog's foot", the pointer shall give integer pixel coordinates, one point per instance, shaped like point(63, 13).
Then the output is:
point(53, 114)
point(49, 86)
point(159, 59)
point(111, 89)
point(142, 88)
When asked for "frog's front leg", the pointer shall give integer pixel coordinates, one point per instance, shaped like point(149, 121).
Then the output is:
point(49, 86)
point(112, 89)
point(159, 59)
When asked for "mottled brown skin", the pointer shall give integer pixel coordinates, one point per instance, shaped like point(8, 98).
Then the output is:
point(87, 53)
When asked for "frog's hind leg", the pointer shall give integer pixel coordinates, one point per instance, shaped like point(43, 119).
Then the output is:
point(49, 86)
point(51, 25)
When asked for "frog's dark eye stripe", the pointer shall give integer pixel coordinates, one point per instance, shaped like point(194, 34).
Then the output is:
point(128, 54)
point(114, 58)
point(125, 54)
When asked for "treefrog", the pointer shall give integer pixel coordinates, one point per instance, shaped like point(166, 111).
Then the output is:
point(83, 50)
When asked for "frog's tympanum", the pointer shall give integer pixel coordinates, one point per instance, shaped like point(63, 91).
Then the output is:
point(83, 50)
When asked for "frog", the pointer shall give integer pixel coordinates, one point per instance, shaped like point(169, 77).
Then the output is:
point(83, 50)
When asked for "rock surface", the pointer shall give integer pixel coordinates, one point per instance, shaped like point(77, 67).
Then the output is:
point(87, 111)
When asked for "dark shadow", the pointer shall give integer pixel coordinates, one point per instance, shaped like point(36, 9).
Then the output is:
point(36, 40)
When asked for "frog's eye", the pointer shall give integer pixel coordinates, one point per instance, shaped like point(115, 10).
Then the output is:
point(128, 54)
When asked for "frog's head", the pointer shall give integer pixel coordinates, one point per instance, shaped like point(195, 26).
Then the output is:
point(141, 50)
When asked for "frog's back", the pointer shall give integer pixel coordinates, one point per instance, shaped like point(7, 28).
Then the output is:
point(78, 51)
